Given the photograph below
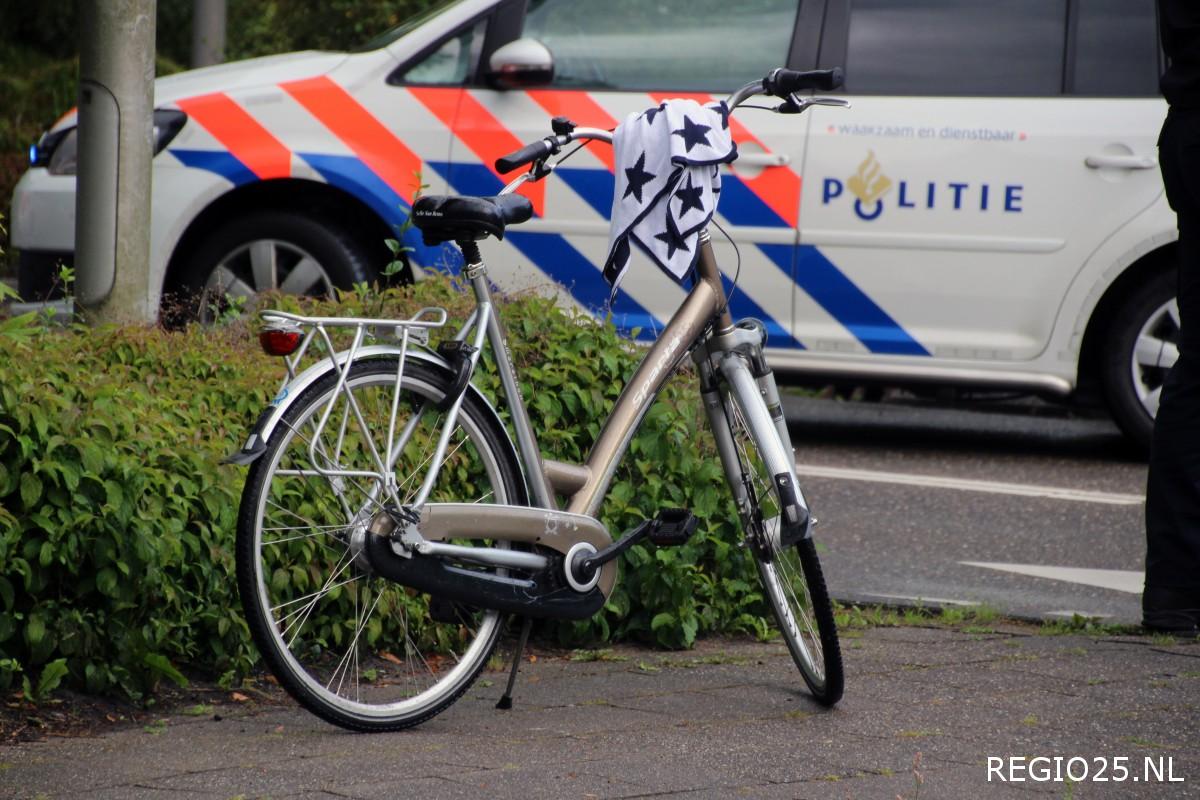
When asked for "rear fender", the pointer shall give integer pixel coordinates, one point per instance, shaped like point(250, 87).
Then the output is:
point(271, 416)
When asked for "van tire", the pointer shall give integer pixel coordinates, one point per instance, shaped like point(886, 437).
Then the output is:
point(1130, 386)
point(328, 256)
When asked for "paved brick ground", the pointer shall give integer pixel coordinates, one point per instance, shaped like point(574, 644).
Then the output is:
point(729, 719)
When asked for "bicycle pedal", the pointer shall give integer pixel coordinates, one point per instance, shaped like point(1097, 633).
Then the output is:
point(672, 527)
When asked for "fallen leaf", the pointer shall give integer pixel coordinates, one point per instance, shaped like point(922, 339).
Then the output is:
point(238, 697)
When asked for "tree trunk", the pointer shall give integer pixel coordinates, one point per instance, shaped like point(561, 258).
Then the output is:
point(116, 146)
point(208, 32)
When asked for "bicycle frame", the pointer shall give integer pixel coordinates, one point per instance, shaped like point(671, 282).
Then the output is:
point(587, 484)
point(358, 489)
point(721, 350)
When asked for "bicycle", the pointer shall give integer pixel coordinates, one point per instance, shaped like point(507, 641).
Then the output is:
point(388, 523)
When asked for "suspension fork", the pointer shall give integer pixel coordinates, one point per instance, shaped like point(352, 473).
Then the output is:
point(733, 373)
point(719, 424)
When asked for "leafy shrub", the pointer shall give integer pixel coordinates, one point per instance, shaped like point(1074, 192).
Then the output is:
point(117, 520)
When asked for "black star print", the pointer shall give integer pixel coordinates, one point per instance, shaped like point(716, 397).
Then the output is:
point(620, 257)
point(648, 115)
point(723, 110)
point(637, 177)
point(690, 198)
point(673, 239)
point(693, 134)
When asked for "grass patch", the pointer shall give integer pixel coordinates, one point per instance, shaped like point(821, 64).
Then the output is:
point(198, 710)
point(1138, 741)
point(917, 734)
point(978, 619)
point(1086, 625)
point(604, 654)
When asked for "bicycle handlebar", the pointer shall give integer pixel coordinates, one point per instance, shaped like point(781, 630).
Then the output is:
point(778, 82)
point(782, 82)
point(526, 155)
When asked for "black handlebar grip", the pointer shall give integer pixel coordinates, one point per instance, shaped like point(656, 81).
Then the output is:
point(526, 155)
point(783, 82)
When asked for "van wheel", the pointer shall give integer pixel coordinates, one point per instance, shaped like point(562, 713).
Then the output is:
point(1141, 348)
point(266, 251)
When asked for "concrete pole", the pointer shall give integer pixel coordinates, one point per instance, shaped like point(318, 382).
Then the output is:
point(116, 145)
point(208, 32)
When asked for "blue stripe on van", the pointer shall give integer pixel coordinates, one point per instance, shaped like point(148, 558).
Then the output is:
point(351, 175)
point(741, 206)
point(221, 162)
point(848, 304)
point(742, 305)
point(555, 256)
point(595, 186)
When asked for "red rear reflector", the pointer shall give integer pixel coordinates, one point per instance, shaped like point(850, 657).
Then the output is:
point(279, 343)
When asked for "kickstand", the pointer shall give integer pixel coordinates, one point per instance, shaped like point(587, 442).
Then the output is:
point(506, 701)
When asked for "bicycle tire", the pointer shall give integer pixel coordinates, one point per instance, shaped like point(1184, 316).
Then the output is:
point(791, 577)
point(295, 534)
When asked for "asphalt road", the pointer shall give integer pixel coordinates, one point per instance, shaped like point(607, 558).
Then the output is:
point(1030, 512)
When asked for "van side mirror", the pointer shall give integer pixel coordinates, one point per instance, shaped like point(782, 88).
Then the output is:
point(519, 64)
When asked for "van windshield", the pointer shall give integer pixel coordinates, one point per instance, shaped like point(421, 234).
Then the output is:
point(389, 36)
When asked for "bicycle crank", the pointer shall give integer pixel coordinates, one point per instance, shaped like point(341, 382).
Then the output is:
point(528, 581)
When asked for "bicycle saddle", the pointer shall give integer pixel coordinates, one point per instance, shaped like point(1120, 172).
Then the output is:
point(450, 218)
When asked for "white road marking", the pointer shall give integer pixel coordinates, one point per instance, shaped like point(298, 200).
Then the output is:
point(967, 485)
point(1121, 580)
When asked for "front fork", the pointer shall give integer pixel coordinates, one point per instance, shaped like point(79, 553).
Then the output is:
point(733, 372)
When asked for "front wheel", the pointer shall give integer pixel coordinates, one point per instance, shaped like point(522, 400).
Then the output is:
point(267, 251)
point(790, 574)
point(352, 647)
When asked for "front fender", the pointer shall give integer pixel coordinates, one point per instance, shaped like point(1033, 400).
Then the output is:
point(263, 429)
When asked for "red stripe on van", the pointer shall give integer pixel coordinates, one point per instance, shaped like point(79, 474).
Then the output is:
point(361, 131)
point(483, 134)
point(778, 187)
point(580, 108)
point(246, 139)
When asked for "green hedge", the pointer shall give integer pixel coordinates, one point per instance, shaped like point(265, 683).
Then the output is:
point(117, 520)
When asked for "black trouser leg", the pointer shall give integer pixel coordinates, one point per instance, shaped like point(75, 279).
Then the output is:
point(1173, 487)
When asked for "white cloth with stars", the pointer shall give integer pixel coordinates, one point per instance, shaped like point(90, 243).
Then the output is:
point(667, 184)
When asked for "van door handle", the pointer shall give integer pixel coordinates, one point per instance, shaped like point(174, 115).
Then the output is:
point(763, 159)
point(1121, 162)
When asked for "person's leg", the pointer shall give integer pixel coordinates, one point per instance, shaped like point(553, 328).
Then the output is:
point(1172, 597)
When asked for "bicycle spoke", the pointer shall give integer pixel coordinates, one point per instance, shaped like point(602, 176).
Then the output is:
point(353, 647)
point(316, 597)
point(330, 623)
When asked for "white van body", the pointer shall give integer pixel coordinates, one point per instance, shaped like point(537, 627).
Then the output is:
point(988, 214)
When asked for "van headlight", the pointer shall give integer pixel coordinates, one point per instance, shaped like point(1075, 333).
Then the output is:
point(58, 152)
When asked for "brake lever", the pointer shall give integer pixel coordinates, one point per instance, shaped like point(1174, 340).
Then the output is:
point(798, 105)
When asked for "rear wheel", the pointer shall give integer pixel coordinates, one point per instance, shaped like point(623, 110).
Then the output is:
point(791, 574)
point(1141, 348)
point(352, 647)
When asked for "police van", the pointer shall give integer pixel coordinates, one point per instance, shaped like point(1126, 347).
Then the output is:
point(989, 214)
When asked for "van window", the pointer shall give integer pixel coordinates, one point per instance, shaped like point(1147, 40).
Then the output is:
point(671, 45)
point(956, 47)
point(451, 63)
point(1116, 49)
